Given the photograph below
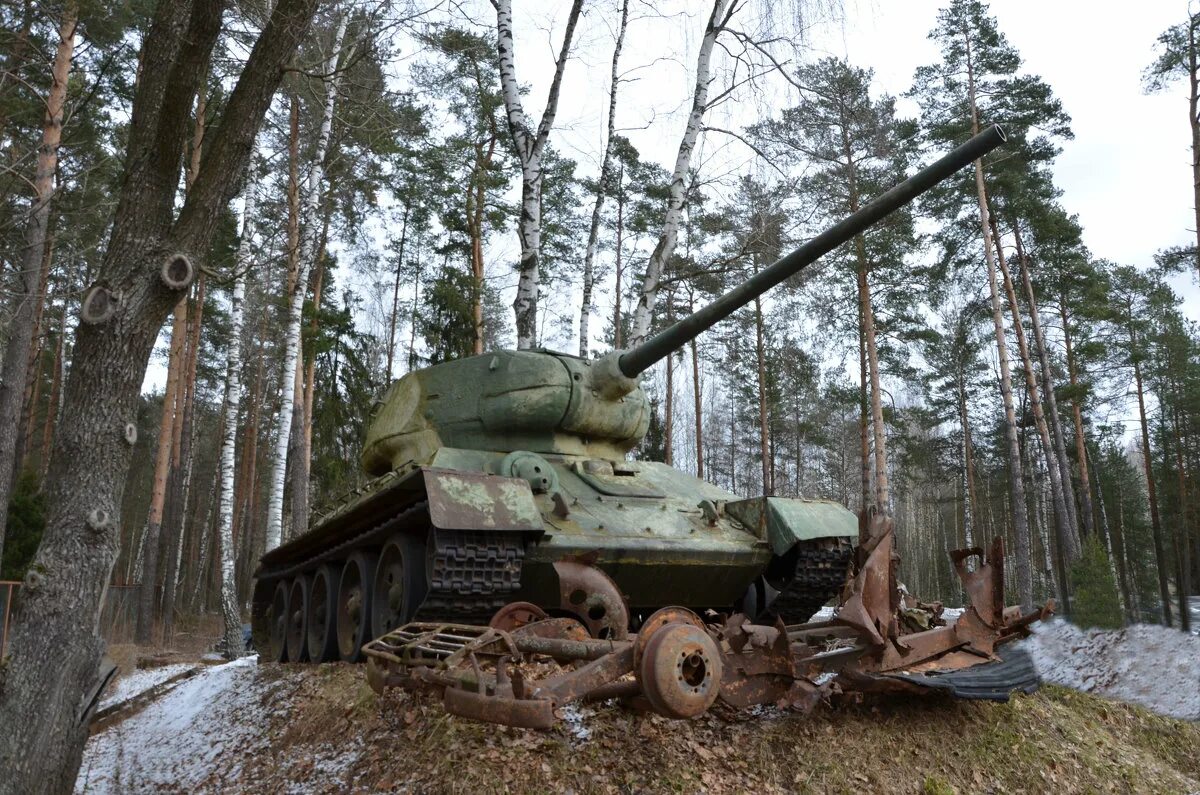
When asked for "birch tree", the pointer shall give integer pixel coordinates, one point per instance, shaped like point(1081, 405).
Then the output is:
point(299, 281)
point(155, 249)
point(602, 188)
point(530, 145)
point(15, 370)
point(230, 612)
point(718, 18)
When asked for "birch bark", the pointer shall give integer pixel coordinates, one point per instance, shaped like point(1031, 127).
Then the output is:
point(308, 241)
point(530, 146)
point(230, 613)
point(589, 257)
point(644, 313)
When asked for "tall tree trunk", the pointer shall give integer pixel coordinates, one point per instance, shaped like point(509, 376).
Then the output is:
point(669, 414)
point(308, 242)
point(589, 257)
point(764, 431)
point(476, 217)
point(971, 502)
point(396, 293)
point(864, 417)
point(1015, 470)
point(412, 330)
point(1085, 480)
point(33, 365)
point(153, 252)
point(868, 351)
point(152, 536)
point(1194, 121)
point(302, 460)
point(1068, 538)
point(20, 329)
point(699, 412)
point(1052, 415)
point(249, 522)
point(530, 146)
point(52, 403)
point(1182, 562)
point(1160, 557)
point(617, 268)
point(644, 314)
point(230, 612)
point(1117, 546)
point(185, 398)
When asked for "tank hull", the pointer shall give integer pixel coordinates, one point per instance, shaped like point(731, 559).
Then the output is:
point(488, 537)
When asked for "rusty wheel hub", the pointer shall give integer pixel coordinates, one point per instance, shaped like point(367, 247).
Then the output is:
point(680, 671)
point(657, 620)
point(516, 615)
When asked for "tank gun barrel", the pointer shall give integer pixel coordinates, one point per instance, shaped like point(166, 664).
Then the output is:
point(636, 360)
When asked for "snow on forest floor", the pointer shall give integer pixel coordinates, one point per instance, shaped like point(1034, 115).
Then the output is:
point(1147, 664)
point(175, 742)
point(140, 680)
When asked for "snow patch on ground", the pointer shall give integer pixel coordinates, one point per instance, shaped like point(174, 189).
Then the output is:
point(1147, 664)
point(140, 680)
point(575, 718)
point(174, 742)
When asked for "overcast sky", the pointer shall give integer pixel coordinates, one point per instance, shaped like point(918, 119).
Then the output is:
point(1125, 173)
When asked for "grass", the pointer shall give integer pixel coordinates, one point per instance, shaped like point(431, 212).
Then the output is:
point(1056, 740)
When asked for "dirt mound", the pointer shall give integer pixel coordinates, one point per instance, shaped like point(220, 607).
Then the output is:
point(320, 729)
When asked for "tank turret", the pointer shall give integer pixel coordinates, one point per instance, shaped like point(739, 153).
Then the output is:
point(492, 477)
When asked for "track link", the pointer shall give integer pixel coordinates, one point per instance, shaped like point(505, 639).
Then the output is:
point(820, 574)
point(472, 575)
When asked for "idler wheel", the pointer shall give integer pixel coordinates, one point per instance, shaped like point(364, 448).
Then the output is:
point(277, 617)
point(322, 612)
point(398, 587)
point(354, 605)
point(680, 671)
point(657, 620)
point(297, 620)
point(515, 615)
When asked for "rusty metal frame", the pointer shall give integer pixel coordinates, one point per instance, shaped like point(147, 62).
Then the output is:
point(491, 673)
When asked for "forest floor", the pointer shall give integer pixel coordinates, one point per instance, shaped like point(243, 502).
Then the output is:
point(292, 728)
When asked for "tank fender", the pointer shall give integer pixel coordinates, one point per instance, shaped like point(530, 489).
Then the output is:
point(783, 521)
point(475, 501)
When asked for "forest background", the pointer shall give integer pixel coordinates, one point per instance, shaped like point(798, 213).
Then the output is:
point(1016, 355)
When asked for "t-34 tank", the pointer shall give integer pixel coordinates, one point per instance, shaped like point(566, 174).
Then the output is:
point(498, 477)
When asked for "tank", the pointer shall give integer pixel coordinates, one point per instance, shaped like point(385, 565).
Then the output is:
point(507, 477)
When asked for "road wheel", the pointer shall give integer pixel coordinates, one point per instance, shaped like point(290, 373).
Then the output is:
point(399, 585)
point(277, 619)
point(297, 623)
point(353, 624)
point(322, 615)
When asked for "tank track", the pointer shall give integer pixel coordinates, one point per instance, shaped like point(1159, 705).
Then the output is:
point(821, 570)
point(472, 575)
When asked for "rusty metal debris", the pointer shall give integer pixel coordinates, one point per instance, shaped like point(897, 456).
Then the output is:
point(526, 664)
